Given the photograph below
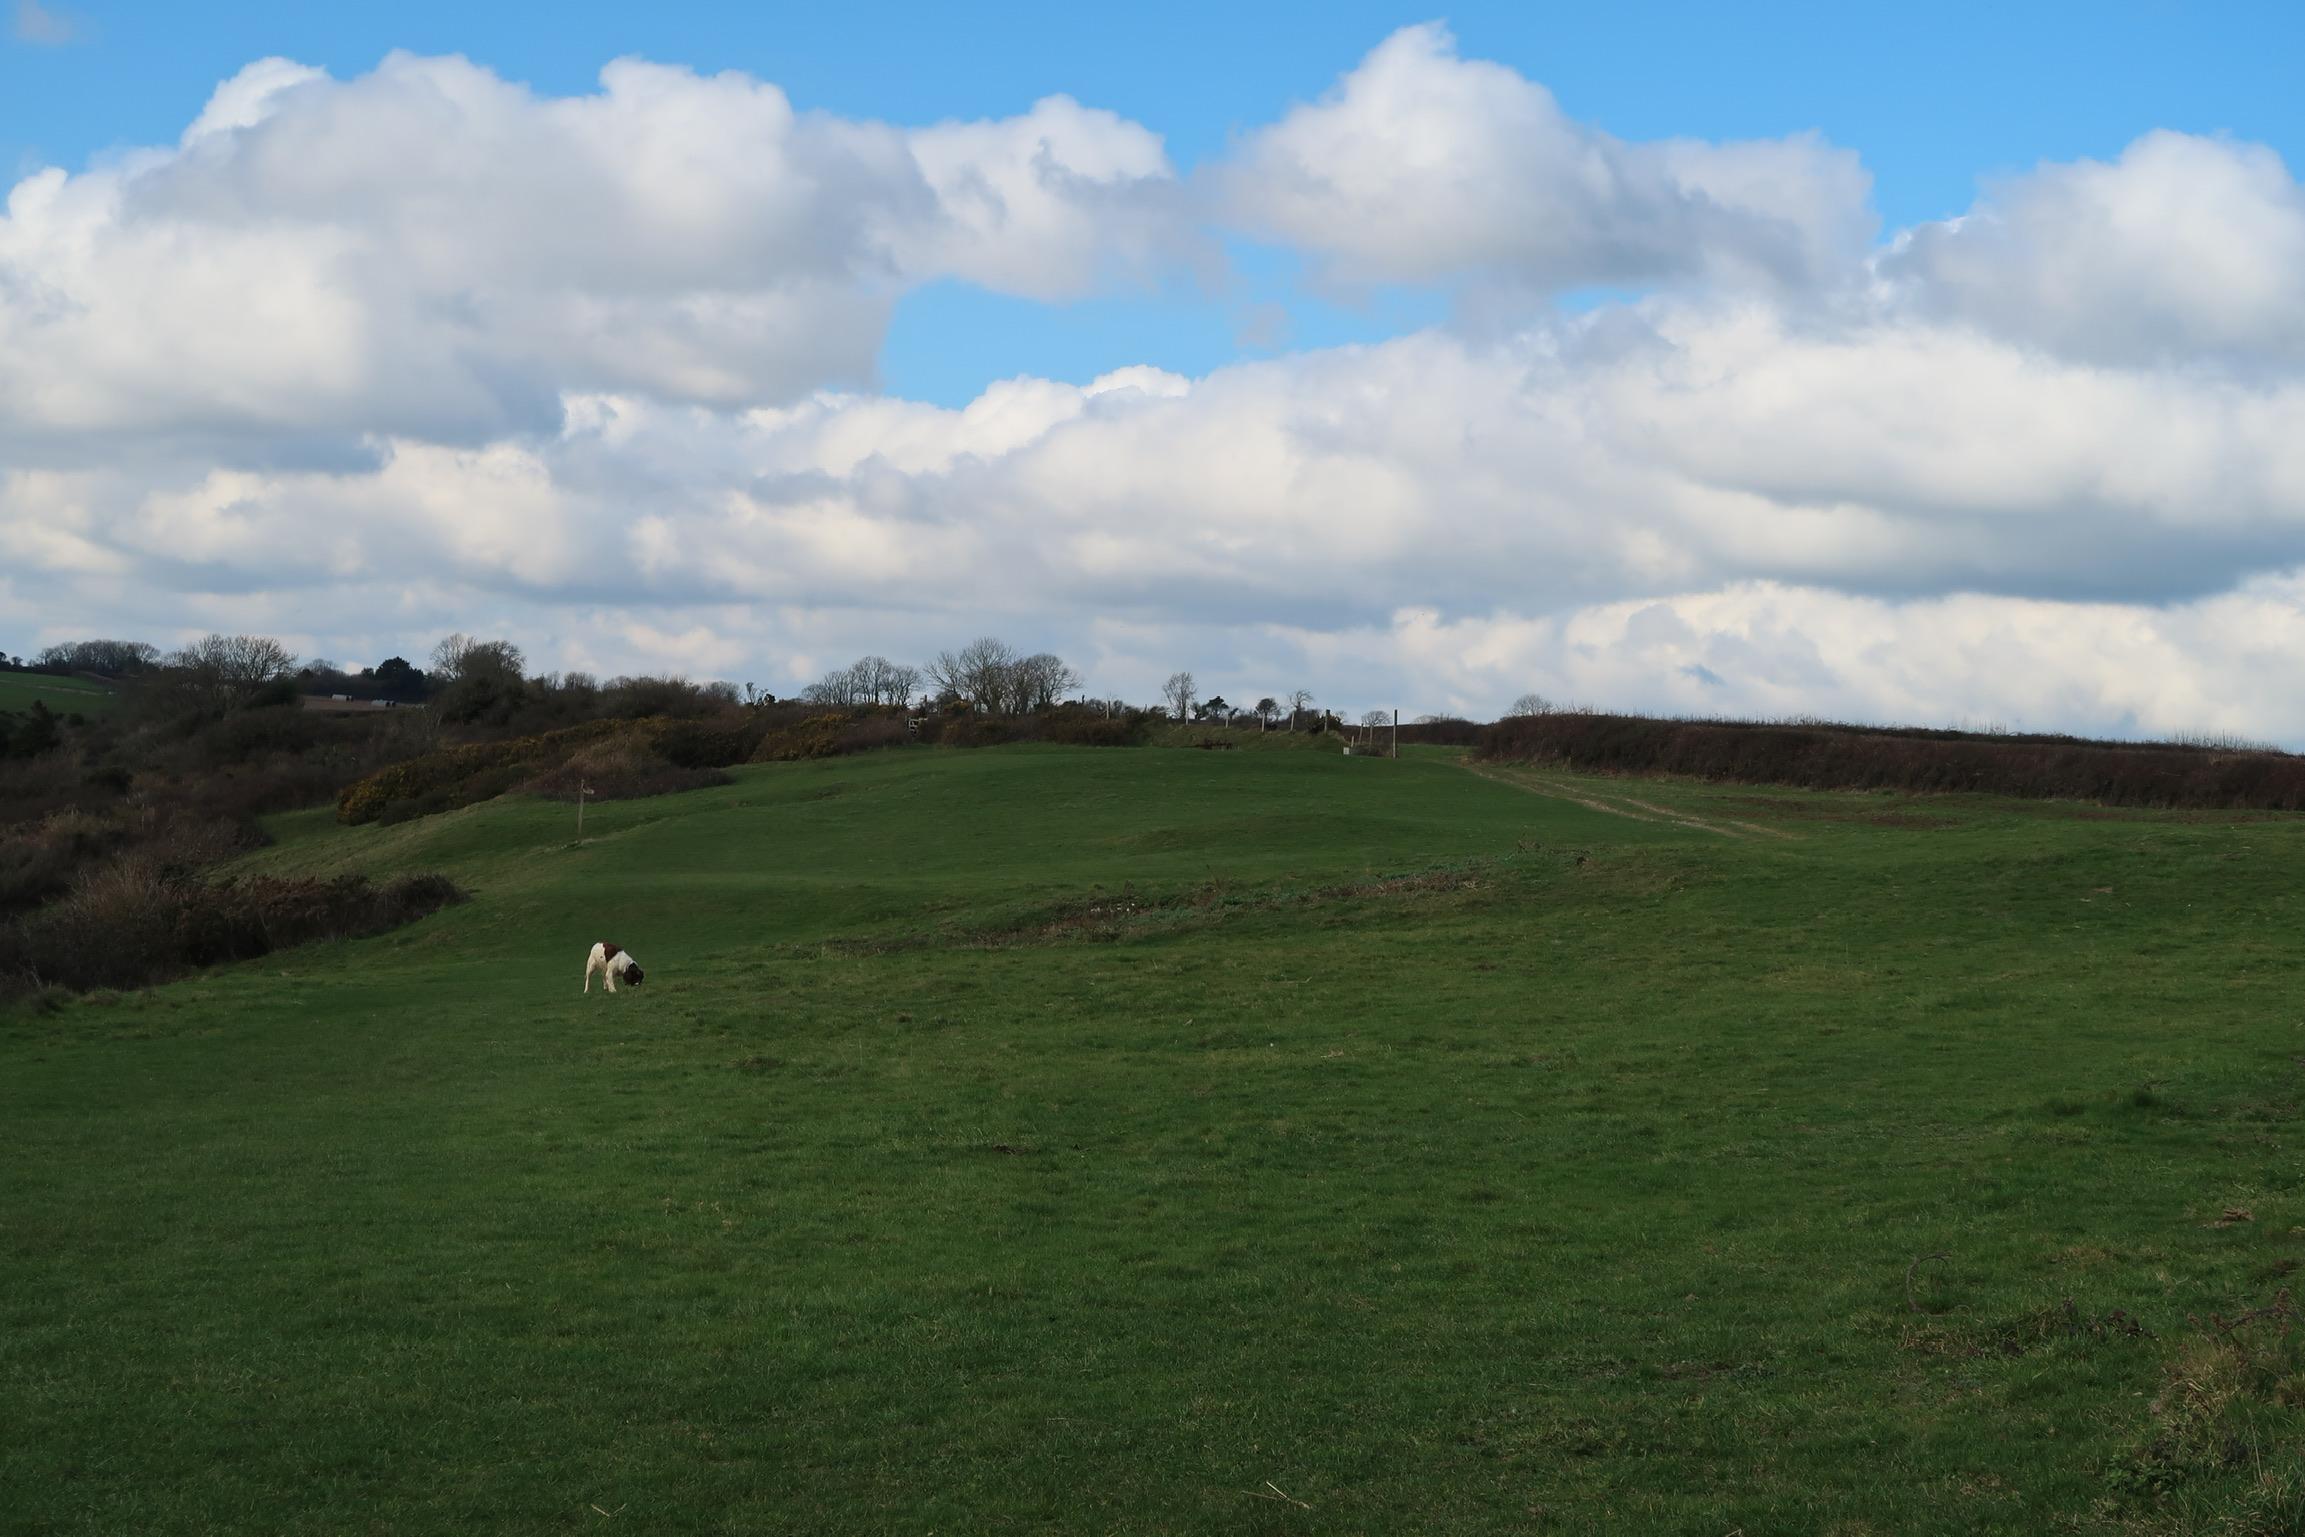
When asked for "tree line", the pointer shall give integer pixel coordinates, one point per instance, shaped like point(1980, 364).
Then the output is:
point(987, 676)
point(478, 681)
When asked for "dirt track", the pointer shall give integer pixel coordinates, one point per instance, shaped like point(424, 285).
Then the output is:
point(1617, 804)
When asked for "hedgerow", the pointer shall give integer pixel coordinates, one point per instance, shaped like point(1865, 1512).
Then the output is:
point(133, 923)
point(1824, 756)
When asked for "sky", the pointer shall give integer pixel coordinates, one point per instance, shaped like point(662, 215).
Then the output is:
point(1936, 364)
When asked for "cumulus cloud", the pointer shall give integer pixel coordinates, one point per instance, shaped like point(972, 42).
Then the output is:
point(433, 250)
point(1423, 166)
point(2183, 250)
point(1716, 510)
point(2214, 665)
point(364, 361)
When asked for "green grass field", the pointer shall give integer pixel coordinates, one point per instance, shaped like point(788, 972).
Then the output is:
point(65, 696)
point(1045, 1140)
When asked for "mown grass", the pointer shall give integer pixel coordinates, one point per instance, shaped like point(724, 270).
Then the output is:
point(65, 696)
point(1079, 1140)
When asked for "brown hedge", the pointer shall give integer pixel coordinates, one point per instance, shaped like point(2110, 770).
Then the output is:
point(1828, 756)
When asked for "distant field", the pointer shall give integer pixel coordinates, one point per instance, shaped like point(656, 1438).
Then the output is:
point(63, 695)
point(1076, 1140)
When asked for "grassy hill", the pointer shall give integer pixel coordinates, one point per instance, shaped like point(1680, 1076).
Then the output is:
point(63, 695)
point(1068, 1140)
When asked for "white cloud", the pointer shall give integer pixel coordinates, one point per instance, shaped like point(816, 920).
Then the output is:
point(1049, 204)
point(2218, 664)
point(2184, 250)
point(1714, 510)
point(1423, 166)
point(432, 250)
point(251, 96)
point(365, 361)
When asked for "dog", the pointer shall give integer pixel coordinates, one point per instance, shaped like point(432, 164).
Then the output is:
point(612, 963)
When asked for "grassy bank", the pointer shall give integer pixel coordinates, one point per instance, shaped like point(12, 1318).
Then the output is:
point(65, 696)
point(1073, 1140)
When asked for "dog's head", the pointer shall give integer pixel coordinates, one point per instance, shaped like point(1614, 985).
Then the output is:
point(634, 976)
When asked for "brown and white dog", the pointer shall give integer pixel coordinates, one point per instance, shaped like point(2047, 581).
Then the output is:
point(612, 963)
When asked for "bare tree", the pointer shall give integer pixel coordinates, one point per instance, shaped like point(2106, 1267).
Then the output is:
point(838, 688)
point(448, 654)
point(481, 680)
point(1531, 704)
point(113, 658)
point(868, 680)
point(1375, 718)
point(459, 657)
point(1300, 700)
point(1043, 680)
point(222, 670)
point(982, 672)
point(1178, 691)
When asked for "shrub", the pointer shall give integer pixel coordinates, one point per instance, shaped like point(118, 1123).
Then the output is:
point(817, 736)
point(41, 860)
point(439, 779)
point(38, 862)
point(132, 923)
point(984, 731)
point(249, 733)
point(623, 768)
point(1071, 726)
point(647, 757)
point(707, 744)
point(1082, 728)
point(30, 734)
point(1441, 731)
point(408, 810)
point(873, 733)
point(644, 698)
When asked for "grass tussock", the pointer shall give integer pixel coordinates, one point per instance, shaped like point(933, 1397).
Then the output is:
point(2225, 1409)
point(1826, 756)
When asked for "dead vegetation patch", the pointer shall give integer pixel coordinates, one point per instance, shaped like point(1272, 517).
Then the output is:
point(2020, 1335)
point(2227, 1392)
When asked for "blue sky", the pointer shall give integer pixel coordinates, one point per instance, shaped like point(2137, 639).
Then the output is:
point(1899, 363)
point(1934, 98)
